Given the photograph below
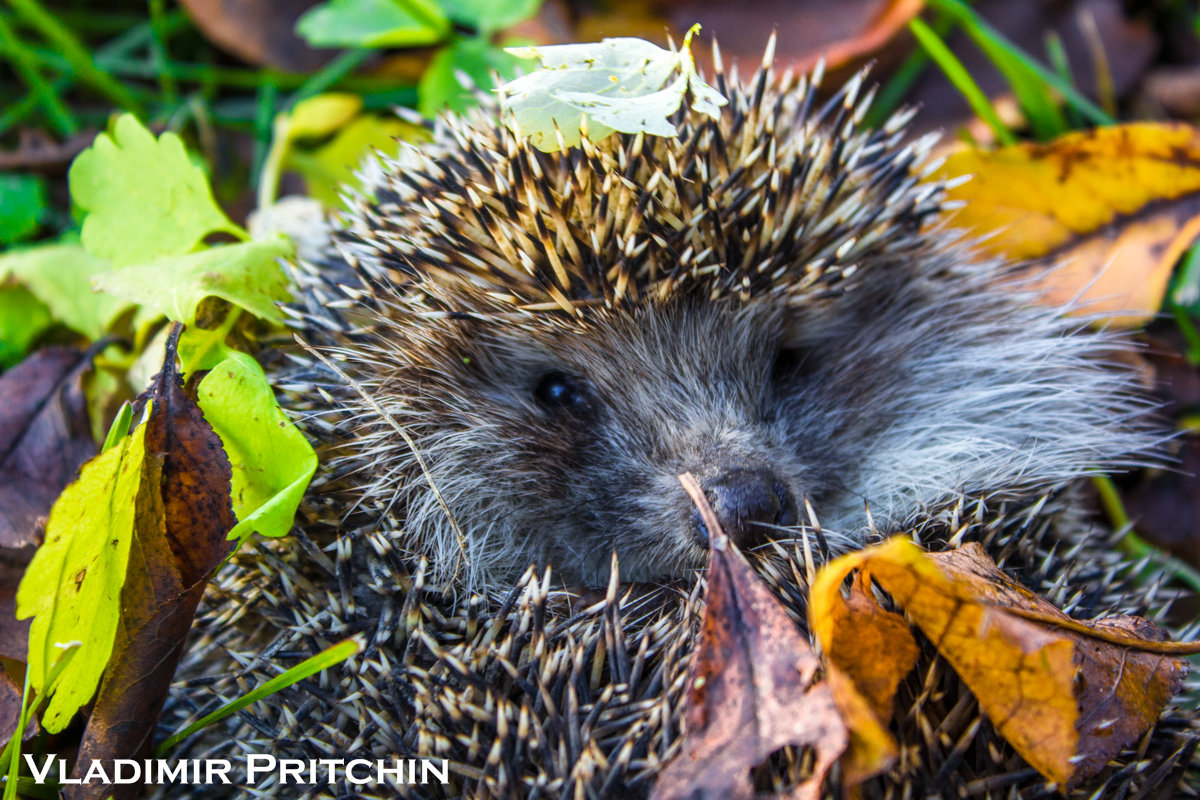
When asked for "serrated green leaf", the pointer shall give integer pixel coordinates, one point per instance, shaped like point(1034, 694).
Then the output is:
point(60, 276)
point(143, 198)
point(322, 115)
point(272, 461)
point(615, 85)
point(72, 587)
point(22, 318)
point(487, 16)
point(246, 274)
point(439, 88)
point(373, 23)
point(23, 207)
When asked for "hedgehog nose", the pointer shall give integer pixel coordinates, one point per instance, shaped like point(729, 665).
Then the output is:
point(747, 502)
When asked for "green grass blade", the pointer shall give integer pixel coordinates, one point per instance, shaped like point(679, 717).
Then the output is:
point(976, 27)
point(73, 50)
point(961, 79)
point(42, 93)
point(310, 666)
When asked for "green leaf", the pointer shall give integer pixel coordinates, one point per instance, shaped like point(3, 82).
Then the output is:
point(487, 16)
point(330, 169)
point(272, 461)
point(618, 84)
point(373, 23)
point(439, 88)
point(22, 319)
point(143, 198)
point(60, 276)
point(72, 587)
point(23, 207)
point(246, 274)
point(321, 115)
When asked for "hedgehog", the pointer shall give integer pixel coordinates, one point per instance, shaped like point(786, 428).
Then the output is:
point(511, 355)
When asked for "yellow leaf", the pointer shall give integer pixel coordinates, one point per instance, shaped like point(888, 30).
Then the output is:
point(322, 115)
point(72, 587)
point(1116, 206)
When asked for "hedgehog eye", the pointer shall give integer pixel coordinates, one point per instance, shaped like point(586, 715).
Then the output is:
point(558, 390)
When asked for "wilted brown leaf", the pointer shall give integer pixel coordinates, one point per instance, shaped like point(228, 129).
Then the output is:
point(183, 516)
point(10, 705)
point(1115, 207)
point(44, 438)
point(1066, 700)
point(1120, 690)
point(752, 689)
point(262, 32)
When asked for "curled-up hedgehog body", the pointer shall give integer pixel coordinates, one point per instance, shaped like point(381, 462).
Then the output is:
point(519, 352)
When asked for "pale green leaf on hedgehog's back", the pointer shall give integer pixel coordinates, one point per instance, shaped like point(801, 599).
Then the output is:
point(72, 587)
point(246, 274)
point(144, 198)
point(272, 461)
point(60, 276)
point(615, 85)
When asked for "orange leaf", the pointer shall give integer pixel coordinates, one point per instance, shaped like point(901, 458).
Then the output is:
point(1116, 207)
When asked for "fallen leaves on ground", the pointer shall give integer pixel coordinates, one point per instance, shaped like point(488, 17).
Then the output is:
point(136, 538)
point(1067, 695)
point(752, 689)
point(44, 438)
point(1113, 207)
point(184, 515)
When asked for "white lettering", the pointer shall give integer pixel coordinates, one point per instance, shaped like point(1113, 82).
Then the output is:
point(252, 768)
point(350, 771)
point(442, 775)
point(119, 773)
point(218, 767)
point(39, 776)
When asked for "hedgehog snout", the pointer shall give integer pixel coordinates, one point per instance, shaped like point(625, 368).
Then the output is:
point(748, 503)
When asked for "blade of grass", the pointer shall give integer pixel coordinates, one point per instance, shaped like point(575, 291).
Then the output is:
point(961, 79)
point(1057, 54)
point(158, 51)
point(1032, 93)
point(970, 21)
point(892, 94)
point(330, 74)
point(42, 93)
point(73, 50)
point(327, 658)
point(1135, 546)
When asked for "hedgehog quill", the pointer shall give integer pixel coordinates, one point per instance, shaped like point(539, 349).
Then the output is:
point(539, 343)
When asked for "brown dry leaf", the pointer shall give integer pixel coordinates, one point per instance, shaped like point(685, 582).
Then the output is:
point(44, 438)
point(184, 513)
point(262, 32)
point(752, 690)
point(1066, 701)
point(1121, 690)
point(1115, 207)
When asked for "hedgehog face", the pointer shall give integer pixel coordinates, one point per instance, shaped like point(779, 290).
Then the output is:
point(562, 442)
point(761, 301)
